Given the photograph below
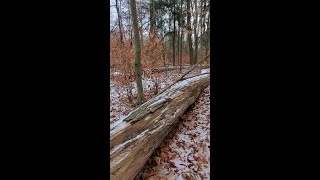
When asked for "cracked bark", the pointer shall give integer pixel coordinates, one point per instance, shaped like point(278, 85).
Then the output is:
point(149, 124)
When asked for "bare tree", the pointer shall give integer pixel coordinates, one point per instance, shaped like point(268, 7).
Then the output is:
point(208, 30)
point(201, 24)
point(195, 25)
point(189, 31)
point(137, 50)
point(174, 35)
point(181, 34)
point(119, 23)
point(152, 19)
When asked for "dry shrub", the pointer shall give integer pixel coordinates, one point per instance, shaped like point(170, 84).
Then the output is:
point(122, 63)
point(185, 59)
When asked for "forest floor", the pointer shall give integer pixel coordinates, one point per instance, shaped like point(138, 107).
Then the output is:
point(185, 152)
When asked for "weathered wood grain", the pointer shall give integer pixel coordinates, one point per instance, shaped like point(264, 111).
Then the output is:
point(142, 131)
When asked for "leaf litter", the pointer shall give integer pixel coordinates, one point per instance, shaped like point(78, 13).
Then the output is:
point(185, 153)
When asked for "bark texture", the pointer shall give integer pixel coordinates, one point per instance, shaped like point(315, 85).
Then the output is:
point(138, 135)
point(137, 44)
point(189, 30)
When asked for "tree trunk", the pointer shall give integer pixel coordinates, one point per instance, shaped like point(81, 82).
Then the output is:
point(209, 28)
point(163, 48)
point(181, 54)
point(141, 36)
point(140, 20)
point(174, 37)
point(201, 29)
point(152, 19)
point(130, 29)
point(137, 50)
point(181, 35)
point(139, 134)
point(195, 27)
point(119, 24)
point(189, 31)
point(208, 31)
point(178, 43)
point(204, 39)
point(169, 52)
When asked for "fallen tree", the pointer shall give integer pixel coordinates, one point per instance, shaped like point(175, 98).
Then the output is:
point(134, 138)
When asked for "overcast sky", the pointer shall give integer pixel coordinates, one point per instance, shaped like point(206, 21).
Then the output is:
point(114, 15)
point(113, 12)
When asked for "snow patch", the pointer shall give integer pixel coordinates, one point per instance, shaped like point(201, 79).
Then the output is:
point(126, 142)
point(205, 71)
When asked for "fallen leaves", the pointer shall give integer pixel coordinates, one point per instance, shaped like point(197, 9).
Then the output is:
point(185, 153)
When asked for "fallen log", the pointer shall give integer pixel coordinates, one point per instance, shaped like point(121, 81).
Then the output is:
point(193, 68)
point(135, 137)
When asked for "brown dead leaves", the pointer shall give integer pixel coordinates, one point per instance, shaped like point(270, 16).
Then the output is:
point(185, 153)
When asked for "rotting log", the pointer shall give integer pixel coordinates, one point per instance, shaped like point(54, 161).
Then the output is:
point(136, 137)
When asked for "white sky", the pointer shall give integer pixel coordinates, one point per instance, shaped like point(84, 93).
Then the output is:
point(113, 12)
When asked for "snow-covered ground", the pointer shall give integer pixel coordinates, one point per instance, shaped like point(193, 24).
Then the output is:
point(186, 150)
point(205, 71)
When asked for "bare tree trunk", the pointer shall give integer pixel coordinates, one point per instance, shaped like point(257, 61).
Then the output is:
point(201, 28)
point(178, 43)
point(164, 49)
point(129, 20)
point(141, 26)
point(152, 19)
point(195, 27)
point(119, 23)
point(174, 35)
point(141, 35)
point(189, 31)
point(181, 35)
point(138, 51)
point(208, 30)
point(181, 54)
point(163, 54)
point(168, 53)
point(204, 39)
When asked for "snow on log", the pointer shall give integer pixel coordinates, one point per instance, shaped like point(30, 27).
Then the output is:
point(135, 137)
